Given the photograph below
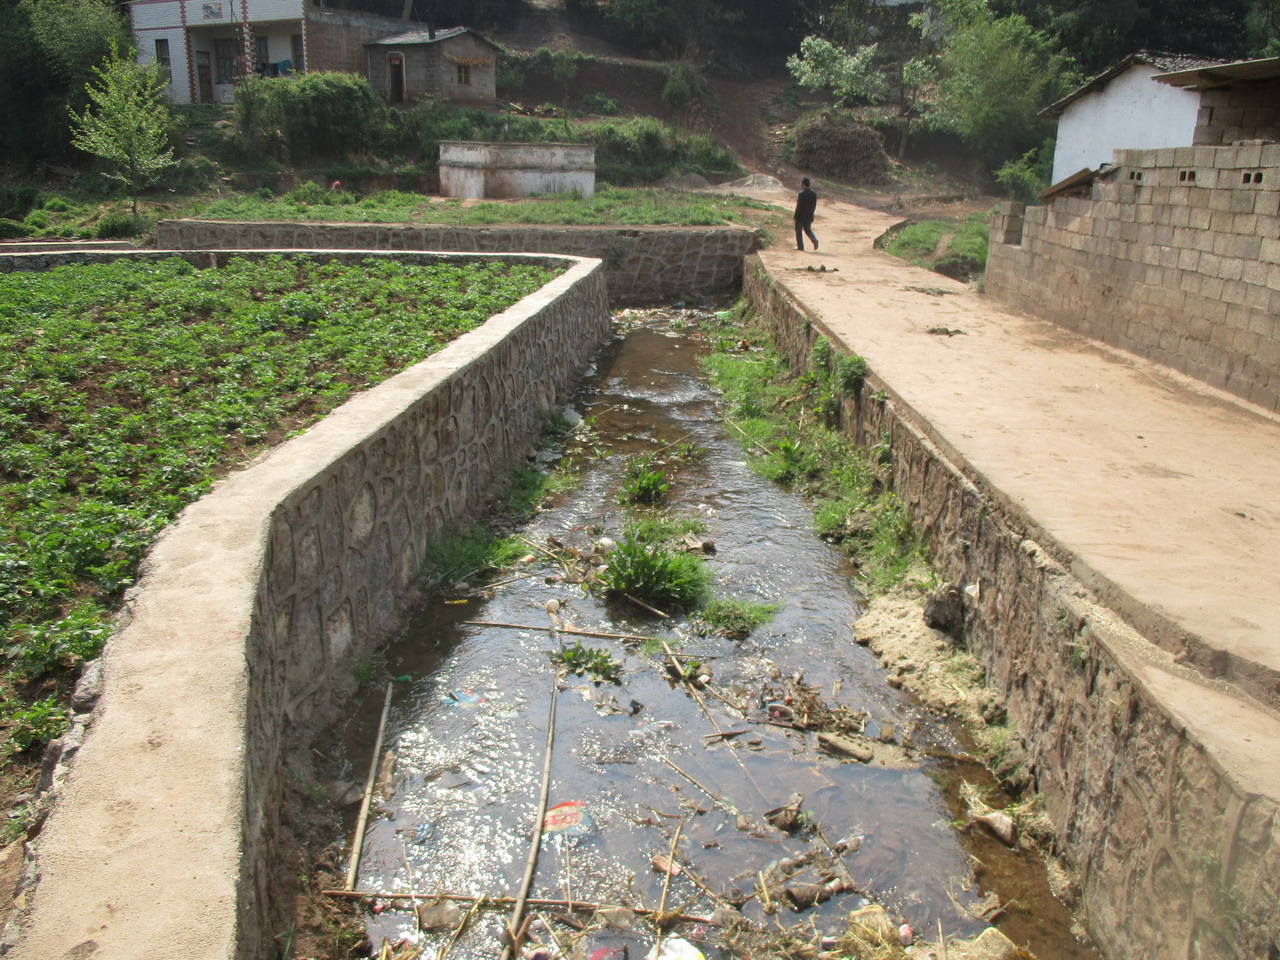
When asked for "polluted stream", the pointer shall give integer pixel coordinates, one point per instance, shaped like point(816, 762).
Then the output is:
point(783, 824)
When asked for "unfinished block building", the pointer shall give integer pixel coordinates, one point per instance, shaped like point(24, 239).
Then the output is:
point(1172, 254)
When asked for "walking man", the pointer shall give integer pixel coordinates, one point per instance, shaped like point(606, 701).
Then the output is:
point(806, 203)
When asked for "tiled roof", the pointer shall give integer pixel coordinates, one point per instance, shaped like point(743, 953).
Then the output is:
point(424, 36)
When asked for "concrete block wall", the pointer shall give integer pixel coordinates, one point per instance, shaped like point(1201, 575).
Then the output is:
point(642, 264)
point(246, 627)
point(1175, 256)
point(1243, 111)
point(1177, 846)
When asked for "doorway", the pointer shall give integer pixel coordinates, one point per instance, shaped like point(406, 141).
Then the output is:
point(395, 78)
point(204, 75)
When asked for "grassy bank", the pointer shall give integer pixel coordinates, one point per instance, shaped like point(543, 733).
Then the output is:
point(785, 420)
point(955, 248)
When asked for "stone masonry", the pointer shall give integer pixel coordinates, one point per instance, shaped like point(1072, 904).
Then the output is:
point(244, 632)
point(642, 264)
point(1178, 849)
point(1174, 256)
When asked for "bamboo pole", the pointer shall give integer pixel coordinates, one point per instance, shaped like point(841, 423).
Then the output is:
point(504, 901)
point(531, 865)
point(357, 843)
point(720, 800)
point(571, 630)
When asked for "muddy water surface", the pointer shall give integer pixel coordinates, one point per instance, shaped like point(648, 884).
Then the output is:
point(469, 730)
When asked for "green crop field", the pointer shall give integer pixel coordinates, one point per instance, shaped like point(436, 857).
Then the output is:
point(128, 387)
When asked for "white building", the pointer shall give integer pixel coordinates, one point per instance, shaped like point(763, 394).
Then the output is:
point(1122, 108)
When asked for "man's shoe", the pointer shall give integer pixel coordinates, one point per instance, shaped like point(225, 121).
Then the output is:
point(815, 244)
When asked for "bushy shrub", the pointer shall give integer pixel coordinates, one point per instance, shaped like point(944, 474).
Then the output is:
point(1024, 178)
point(16, 199)
point(644, 150)
point(312, 116)
point(597, 102)
point(12, 229)
point(834, 144)
point(116, 225)
point(680, 90)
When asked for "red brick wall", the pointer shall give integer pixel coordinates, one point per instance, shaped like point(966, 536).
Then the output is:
point(336, 38)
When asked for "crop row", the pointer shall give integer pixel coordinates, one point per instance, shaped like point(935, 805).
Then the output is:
point(128, 387)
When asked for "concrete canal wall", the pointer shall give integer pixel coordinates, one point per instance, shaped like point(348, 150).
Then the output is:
point(245, 629)
point(642, 264)
point(1144, 770)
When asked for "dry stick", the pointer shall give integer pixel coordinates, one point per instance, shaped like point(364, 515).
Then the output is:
point(461, 928)
point(707, 713)
point(724, 803)
point(552, 934)
point(572, 630)
point(836, 856)
point(357, 843)
point(942, 940)
point(502, 901)
point(666, 882)
point(518, 911)
point(413, 903)
point(672, 443)
point(503, 583)
point(765, 450)
point(535, 546)
point(726, 701)
point(654, 610)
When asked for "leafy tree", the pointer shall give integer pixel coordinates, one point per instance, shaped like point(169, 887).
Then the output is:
point(1097, 33)
point(125, 123)
point(48, 49)
point(822, 65)
point(995, 75)
point(849, 76)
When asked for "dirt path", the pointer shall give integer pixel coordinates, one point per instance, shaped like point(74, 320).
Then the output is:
point(1159, 490)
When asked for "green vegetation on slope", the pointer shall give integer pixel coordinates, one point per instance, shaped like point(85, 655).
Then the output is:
point(130, 385)
point(609, 205)
point(787, 423)
point(955, 248)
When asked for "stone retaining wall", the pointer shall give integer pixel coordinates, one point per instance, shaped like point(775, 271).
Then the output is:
point(1174, 256)
point(642, 264)
point(244, 633)
point(1178, 847)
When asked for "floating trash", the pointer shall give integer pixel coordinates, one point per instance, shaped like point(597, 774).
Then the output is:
point(674, 949)
point(462, 699)
point(569, 819)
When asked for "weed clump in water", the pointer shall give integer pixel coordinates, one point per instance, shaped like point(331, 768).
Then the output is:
point(656, 574)
point(736, 619)
point(644, 483)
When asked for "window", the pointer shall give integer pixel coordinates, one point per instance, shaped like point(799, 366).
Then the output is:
point(261, 60)
point(295, 45)
point(162, 58)
point(227, 55)
point(464, 75)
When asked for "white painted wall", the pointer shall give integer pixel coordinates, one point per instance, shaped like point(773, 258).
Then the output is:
point(1131, 112)
point(475, 169)
point(145, 40)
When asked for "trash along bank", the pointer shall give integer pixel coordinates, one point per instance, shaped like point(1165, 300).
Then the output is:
point(691, 783)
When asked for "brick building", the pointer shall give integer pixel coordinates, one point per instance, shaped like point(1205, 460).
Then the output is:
point(204, 45)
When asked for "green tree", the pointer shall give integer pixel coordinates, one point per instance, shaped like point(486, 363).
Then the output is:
point(125, 123)
point(862, 75)
point(821, 65)
point(48, 49)
point(995, 75)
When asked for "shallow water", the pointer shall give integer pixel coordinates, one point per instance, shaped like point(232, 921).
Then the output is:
point(469, 767)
